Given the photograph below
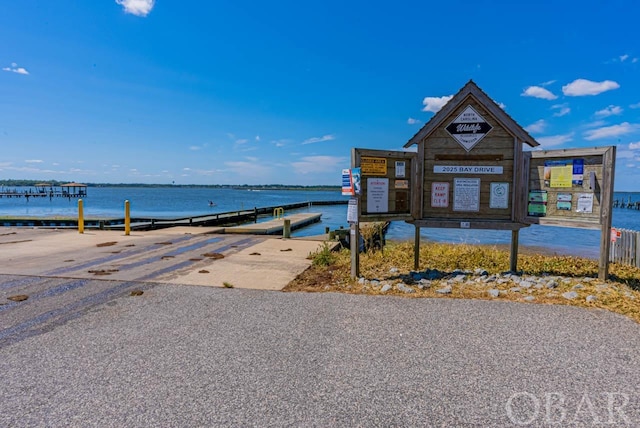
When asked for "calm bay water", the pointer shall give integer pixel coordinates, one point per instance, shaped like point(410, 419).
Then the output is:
point(180, 202)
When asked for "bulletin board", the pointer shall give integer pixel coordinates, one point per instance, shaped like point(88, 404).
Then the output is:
point(386, 184)
point(571, 187)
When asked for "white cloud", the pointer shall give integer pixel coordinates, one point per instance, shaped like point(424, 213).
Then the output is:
point(412, 121)
point(15, 69)
point(34, 161)
point(319, 139)
point(634, 146)
point(623, 57)
point(257, 138)
point(634, 60)
point(137, 7)
point(251, 158)
point(563, 109)
point(636, 105)
point(610, 131)
point(609, 111)
point(580, 87)
point(536, 127)
point(242, 141)
point(280, 143)
point(434, 104)
point(503, 106)
point(194, 148)
point(625, 154)
point(555, 140)
point(311, 164)
point(538, 92)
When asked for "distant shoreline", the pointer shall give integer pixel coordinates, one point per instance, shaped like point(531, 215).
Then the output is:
point(34, 183)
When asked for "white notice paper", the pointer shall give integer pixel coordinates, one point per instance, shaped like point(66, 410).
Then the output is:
point(585, 203)
point(400, 169)
point(377, 195)
point(499, 195)
point(352, 211)
point(466, 194)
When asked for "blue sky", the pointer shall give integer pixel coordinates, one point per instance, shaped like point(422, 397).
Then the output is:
point(252, 92)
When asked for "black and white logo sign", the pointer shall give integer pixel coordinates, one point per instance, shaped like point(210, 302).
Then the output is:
point(468, 128)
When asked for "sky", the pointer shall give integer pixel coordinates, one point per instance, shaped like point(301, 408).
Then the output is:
point(255, 92)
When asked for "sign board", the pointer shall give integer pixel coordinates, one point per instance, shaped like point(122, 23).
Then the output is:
point(465, 169)
point(468, 128)
point(466, 194)
point(347, 182)
point(352, 211)
point(387, 183)
point(440, 195)
point(373, 166)
point(499, 197)
point(377, 195)
point(558, 176)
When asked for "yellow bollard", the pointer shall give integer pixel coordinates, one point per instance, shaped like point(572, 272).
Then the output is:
point(80, 217)
point(127, 219)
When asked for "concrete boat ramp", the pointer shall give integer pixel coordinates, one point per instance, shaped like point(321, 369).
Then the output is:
point(179, 255)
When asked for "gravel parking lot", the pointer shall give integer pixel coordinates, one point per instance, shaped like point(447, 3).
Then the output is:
point(201, 356)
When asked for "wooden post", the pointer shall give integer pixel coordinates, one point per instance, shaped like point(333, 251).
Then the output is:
point(513, 259)
point(606, 192)
point(80, 217)
point(286, 231)
point(354, 241)
point(416, 249)
point(127, 218)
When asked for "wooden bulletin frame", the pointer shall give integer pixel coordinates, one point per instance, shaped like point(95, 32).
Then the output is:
point(397, 170)
point(584, 199)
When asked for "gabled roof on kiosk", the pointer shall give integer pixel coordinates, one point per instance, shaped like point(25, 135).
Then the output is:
point(471, 89)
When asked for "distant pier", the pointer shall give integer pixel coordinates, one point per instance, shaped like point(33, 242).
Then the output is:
point(46, 190)
point(621, 203)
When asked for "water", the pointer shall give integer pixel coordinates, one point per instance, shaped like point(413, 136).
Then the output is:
point(180, 202)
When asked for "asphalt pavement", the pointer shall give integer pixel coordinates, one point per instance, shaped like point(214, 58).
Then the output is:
point(200, 356)
point(83, 351)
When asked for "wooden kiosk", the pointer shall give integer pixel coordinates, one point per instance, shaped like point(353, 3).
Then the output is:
point(474, 169)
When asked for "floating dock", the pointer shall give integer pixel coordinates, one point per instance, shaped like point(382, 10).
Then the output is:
point(275, 226)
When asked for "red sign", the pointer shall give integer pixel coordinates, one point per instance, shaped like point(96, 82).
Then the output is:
point(440, 195)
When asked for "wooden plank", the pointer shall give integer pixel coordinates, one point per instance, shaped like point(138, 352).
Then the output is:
point(562, 153)
point(473, 224)
point(461, 157)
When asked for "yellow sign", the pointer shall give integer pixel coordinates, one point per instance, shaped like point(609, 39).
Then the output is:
point(373, 166)
point(561, 176)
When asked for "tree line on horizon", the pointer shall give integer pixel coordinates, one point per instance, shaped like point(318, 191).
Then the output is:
point(32, 183)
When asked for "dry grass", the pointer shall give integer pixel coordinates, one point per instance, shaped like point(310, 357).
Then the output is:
point(621, 293)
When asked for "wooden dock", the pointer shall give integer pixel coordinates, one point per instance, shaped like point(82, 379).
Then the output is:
point(275, 226)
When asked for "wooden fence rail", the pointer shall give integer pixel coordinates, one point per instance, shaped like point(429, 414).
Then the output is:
point(626, 248)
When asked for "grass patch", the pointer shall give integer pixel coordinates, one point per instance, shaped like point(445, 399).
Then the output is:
point(330, 271)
